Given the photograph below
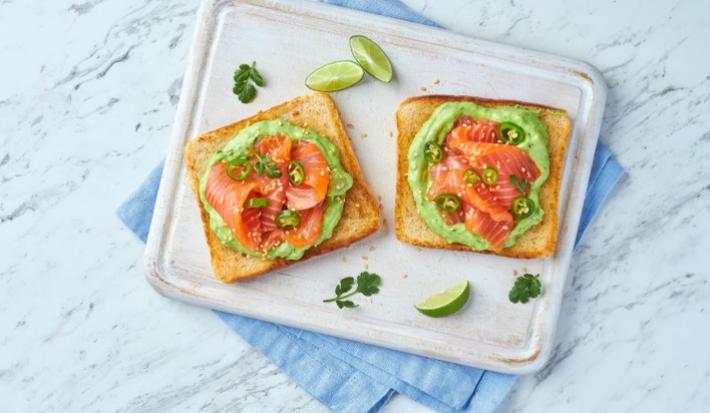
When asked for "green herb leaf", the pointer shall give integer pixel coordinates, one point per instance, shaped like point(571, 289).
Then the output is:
point(526, 287)
point(346, 304)
point(345, 285)
point(367, 284)
point(247, 93)
point(243, 88)
point(520, 184)
point(255, 75)
point(241, 76)
point(265, 166)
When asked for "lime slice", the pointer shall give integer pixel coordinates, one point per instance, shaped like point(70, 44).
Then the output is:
point(335, 76)
point(371, 58)
point(445, 302)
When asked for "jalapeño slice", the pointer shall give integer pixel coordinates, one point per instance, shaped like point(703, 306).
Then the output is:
point(288, 219)
point(257, 202)
point(296, 174)
point(448, 202)
point(522, 207)
point(239, 169)
point(433, 152)
point(511, 133)
point(471, 177)
point(489, 176)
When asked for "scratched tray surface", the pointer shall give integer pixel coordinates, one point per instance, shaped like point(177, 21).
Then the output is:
point(289, 40)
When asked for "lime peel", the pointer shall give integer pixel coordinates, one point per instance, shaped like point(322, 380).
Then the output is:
point(445, 302)
point(335, 76)
point(371, 57)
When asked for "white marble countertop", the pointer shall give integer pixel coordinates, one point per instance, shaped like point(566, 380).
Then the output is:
point(87, 97)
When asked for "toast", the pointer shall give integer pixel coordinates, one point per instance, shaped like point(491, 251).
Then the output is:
point(361, 214)
point(540, 240)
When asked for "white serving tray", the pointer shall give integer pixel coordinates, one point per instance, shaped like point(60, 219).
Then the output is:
point(288, 40)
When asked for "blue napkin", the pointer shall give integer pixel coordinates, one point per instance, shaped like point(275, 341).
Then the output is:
point(348, 376)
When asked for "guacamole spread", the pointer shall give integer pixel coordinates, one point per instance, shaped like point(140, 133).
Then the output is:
point(435, 130)
point(239, 146)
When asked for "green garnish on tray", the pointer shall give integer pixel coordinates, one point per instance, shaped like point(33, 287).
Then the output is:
point(526, 287)
point(243, 88)
point(367, 284)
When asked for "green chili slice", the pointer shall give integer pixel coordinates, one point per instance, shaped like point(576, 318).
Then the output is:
point(448, 202)
point(433, 152)
point(522, 207)
point(257, 202)
point(489, 176)
point(471, 177)
point(288, 219)
point(296, 174)
point(242, 167)
point(511, 133)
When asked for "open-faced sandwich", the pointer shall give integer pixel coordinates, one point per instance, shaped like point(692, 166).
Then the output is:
point(279, 187)
point(481, 175)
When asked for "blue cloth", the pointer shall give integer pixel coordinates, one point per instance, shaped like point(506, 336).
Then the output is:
point(348, 376)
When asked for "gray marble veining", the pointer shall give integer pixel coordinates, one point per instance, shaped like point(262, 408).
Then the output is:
point(87, 96)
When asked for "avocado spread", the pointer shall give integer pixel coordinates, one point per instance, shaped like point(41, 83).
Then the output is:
point(435, 130)
point(340, 183)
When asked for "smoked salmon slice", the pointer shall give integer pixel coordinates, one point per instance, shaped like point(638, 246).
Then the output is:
point(277, 147)
point(309, 229)
point(256, 228)
point(228, 197)
point(476, 130)
point(479, 222)
point(447, 178)
point(314, 187)
point(486, 208)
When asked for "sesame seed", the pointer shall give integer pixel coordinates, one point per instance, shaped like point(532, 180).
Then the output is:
point(349, 125)
point(436, 81)
point(344, 258)
point(422, 88)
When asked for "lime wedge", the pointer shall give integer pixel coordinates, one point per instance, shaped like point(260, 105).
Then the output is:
point(445, 302)
point(371, 58)
point(335, 76)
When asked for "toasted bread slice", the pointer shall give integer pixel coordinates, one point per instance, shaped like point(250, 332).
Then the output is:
point(361, 214)
point(540, 240)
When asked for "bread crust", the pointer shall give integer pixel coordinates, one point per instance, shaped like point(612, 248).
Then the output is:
point(539, 241)
point(361, 214)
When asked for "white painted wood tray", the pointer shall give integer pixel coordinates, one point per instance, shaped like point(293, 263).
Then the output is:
point(288, 40)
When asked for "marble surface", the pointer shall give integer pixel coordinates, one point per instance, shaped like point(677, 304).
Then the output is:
point(87, 97)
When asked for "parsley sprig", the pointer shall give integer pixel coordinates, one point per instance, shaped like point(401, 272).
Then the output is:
point(367, 284)
point(520, 184)
point(243, 88)
point(526, 287)
point(265, 166)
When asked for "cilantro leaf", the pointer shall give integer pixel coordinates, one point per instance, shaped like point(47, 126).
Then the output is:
point(255, 75)
point(265, 166)
point(526, 287)
point(345, 285)
point(246, 93)
point(367, 284)
point(520, 184)
point(243, 88)
point(345, 304)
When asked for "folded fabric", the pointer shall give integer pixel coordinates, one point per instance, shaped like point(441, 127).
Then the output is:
point(348, 376)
